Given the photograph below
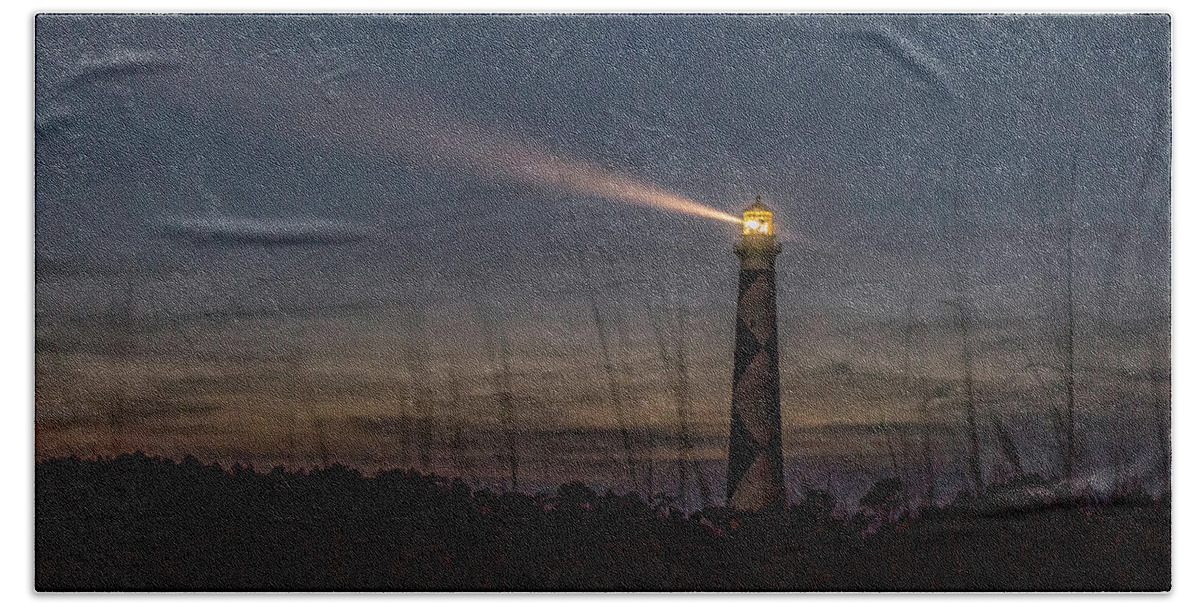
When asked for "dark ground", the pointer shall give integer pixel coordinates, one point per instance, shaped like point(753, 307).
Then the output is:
point(140, 523)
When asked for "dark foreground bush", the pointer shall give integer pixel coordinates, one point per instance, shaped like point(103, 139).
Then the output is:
point(138, 523)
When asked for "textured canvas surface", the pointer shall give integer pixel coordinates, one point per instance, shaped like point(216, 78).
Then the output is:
point(472, 302)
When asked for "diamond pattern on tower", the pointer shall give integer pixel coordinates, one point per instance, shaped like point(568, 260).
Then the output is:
point(746, 346)
point(756, 486)
point(756, 308)
point(755, 456)
point(752, 395)
point(743, 450)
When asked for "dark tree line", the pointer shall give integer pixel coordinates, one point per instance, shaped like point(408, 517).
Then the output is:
point(136, 522)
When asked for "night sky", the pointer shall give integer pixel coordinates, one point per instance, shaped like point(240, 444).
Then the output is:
point(443, 242)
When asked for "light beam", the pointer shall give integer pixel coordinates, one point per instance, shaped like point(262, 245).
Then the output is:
point(414, 130)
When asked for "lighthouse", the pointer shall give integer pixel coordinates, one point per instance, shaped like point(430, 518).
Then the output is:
point(755, 445)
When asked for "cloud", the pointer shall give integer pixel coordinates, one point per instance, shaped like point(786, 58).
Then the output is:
point(122, 62)
point(104, 411)
point(269, 232)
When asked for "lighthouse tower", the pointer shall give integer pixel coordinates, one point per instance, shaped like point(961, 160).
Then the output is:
point(755, 446)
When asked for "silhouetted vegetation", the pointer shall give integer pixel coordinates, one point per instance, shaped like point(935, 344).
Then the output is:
point(141, 523)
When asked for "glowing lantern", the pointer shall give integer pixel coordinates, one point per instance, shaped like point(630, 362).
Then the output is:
point(756, 219)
